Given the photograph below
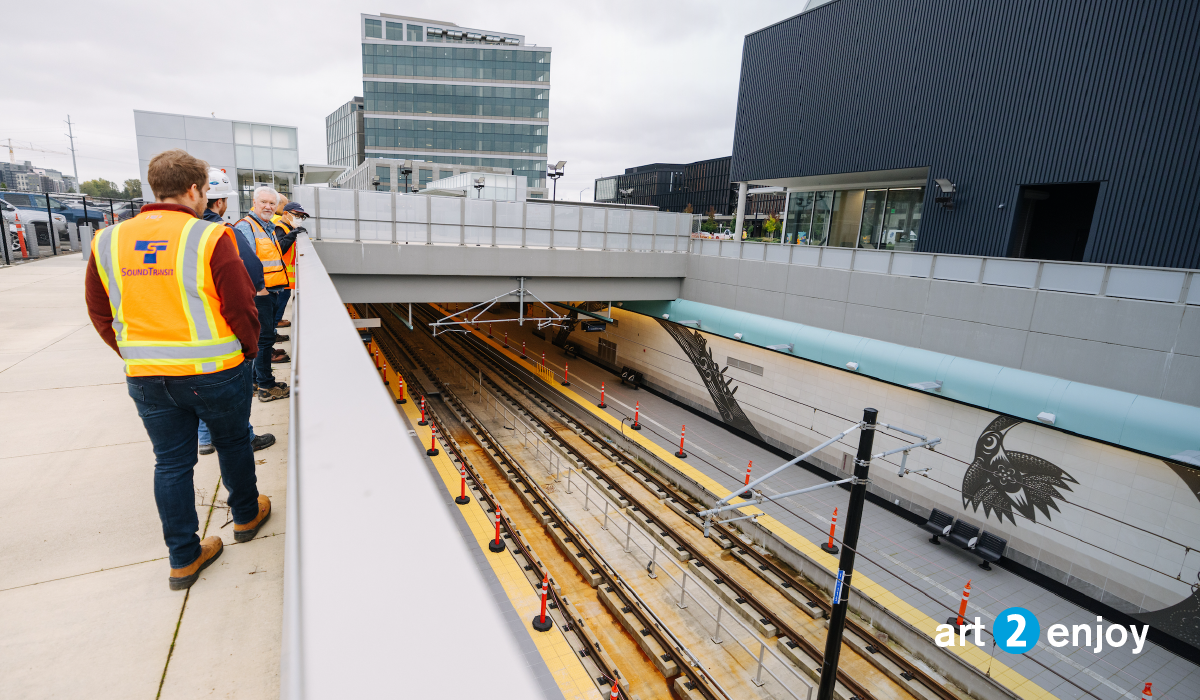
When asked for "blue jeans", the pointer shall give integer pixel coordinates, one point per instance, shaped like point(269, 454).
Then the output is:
point(281, 303)
point(171, 409)
point(204, 436)
point(265, 303)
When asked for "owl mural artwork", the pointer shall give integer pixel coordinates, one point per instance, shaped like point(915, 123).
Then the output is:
point(1002, 481)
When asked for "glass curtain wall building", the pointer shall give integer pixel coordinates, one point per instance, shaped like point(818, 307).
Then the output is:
point(251, 154)
point(440, 93)
point(344, 137)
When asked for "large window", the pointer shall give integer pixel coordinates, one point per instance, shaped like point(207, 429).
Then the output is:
point(472, 137)
point(395, 31)
point(462, 63)
point(466, 100)
point(383, 173)
point(416, 32)
point(884, 219)
point(374, 29)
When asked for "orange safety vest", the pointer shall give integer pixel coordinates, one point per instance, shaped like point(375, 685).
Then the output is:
point(289, 256)
point(267, 249)
point(157, 270)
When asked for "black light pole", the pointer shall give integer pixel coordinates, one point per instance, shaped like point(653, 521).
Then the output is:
point(406, 170)
point(479, 183)
point(554, 172)
point(841, 598)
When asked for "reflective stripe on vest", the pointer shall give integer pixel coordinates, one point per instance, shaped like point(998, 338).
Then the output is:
point(289, 255)
point(267, 250)
point(211, 345)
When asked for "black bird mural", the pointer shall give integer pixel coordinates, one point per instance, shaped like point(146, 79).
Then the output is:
point(696, 347)
point(1001, 480)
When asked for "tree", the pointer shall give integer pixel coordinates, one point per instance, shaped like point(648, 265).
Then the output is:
point(101, 188)
point(133, 188)
point(710, 224)
point(688, 208)
point(772, 224)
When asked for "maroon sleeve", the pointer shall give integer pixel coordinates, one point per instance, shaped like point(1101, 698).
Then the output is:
point(233, 286)
point(98, 307)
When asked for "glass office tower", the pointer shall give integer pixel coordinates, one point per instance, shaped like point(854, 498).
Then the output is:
point(440, 93)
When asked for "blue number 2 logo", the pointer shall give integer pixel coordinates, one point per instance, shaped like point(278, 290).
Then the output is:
point(1016, 630)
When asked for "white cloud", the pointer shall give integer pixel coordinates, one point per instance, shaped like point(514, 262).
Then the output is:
point(632, 82)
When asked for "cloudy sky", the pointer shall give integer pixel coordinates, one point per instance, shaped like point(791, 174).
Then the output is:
point(633, 82)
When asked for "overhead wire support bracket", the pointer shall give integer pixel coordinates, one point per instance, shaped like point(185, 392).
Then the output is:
point(450, 323)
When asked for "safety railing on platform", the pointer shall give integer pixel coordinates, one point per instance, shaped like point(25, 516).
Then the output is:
point(378, 578)
point(1167, 285)
point(394, 217)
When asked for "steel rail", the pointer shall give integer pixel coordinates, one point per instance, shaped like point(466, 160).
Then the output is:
point(907, 666)
point(630, 599)
point(855, 689)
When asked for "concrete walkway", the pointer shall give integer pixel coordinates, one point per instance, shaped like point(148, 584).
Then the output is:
point(85, 610)
point(894, 552)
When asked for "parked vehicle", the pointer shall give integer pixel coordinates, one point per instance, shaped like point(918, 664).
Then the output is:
point(125, 210)
point(30, 223)
point(33, 201)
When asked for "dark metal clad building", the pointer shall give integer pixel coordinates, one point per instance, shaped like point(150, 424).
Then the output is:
point(1062, 130)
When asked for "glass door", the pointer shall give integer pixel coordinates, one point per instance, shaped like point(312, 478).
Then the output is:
point(822, 207)
point(902, 218)
point(872, 218)
point(799, 217)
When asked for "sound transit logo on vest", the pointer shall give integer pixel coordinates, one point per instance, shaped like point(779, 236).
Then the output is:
point(151, 248)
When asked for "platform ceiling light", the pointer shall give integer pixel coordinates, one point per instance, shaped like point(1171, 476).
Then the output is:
point(1047, 418)
point(790, 347)
point(927, 386)
point(852, 366)
point(666, 317)
point(737, 336)
point(947, 188)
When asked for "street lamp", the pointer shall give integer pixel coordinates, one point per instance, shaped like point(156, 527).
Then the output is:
point(554, 172)
point(585, 189)
point(478, 187)
point(626, 195)
point(406, 170)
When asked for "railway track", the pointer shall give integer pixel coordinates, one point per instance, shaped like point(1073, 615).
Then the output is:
point(402, 356)
point(474, 355)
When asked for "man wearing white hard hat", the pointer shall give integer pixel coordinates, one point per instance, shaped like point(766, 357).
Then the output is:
point(219, 192)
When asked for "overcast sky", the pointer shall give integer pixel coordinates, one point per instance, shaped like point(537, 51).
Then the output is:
point(632, 82)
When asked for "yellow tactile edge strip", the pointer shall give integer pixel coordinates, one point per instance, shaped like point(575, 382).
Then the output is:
point(561, 658)
point(973, 655)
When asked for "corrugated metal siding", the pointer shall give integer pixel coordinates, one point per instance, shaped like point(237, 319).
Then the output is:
point(991, 95)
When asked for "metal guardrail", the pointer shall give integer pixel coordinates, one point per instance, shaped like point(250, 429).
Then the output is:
point(381, 593)
point(1169, 285)
point(394, 217)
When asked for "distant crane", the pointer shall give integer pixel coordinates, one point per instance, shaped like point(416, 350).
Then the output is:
point(12, 159)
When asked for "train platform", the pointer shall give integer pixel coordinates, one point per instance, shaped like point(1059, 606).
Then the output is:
point(83, 568)
point(897, 565)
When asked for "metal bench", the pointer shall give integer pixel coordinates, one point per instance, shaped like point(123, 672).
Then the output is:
point(939, 524)
point(990, 548)
point(963, 534)
point(631, 376)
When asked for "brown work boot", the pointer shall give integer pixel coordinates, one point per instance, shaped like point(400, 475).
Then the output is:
point(246, 532)
point(283, 324)
point(279, 391)
point(210, 551)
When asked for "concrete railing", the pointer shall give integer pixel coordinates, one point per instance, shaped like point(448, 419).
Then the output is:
point(1125, 281)
point(393, 217)
point(379, 577)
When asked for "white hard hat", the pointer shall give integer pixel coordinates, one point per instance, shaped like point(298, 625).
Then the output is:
point(219, 186)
